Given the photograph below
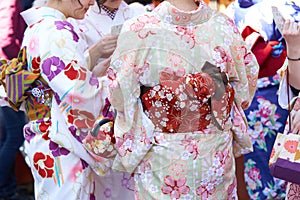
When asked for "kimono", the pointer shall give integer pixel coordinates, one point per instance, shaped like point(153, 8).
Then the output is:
point(265, 116)
point(97, 23)
point(62, 105)
point(179, 91)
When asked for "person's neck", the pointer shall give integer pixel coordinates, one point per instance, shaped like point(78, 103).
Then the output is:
point(185, 5)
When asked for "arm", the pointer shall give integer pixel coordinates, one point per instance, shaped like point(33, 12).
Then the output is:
point(77, 90)
point(291, 33)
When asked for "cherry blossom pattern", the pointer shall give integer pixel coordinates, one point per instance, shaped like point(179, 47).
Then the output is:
point(44, 164)
point(175, 188)
point(125, 144)
point(214, 175)
point(142, 21)
point(187, 34)
point(180, 98)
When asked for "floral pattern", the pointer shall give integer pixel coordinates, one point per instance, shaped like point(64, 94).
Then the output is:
point(265, 120)
point(178, 110)
point(60, 162)
point(44, 164)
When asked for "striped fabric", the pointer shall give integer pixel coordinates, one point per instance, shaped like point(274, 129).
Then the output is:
point(16, 79)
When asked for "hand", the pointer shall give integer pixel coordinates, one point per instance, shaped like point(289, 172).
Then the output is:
point(291, 34)
point(295, 115)
point(102, 67)
point(103, 48)
point(107, 45)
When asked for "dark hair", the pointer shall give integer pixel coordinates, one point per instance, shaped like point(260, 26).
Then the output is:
point(100, 2)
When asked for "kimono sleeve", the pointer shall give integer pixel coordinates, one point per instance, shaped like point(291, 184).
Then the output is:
point(63, 67)
point(132, 128)
point(243, 75)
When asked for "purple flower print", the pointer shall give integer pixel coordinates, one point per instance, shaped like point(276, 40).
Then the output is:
point(94, 80)
point(28, 134)
point(57, 98)
point(107, 193)
point(52, 66)
point(66, 25)
point(56, 150)
point(84, 164)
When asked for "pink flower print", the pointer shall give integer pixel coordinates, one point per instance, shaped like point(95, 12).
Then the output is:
point(175, 187)
point(187, 35)
point(94, 80)
point(294, 192)
point(222, 58)
point(175, 60)
point(230, 22)
point(180, 18)
point(60, 25)
point(204, 192)
point(52, 66)
point(33, 45)
point(137, 26)
point(124, 145)
point(254, 174)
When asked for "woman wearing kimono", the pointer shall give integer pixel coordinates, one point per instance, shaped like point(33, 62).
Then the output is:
point(94, 29)
point(60, 96)
point(265, 116)
point(291, 33)
point(179, 90)
point(98, 23)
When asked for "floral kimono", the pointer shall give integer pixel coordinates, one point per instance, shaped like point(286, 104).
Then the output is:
point(179, 82)
point(62, 105)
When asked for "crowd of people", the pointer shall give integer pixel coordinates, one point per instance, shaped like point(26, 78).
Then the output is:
point(145, 99)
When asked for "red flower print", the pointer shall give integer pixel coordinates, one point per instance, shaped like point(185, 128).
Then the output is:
point(254, 174)
point(44, 129)
point(35, 65)
point(81, 119)
point(291, 146)
point(44, 164)
point(175, 187)
point(72, 73)
point(272, 153)
point(294, 192)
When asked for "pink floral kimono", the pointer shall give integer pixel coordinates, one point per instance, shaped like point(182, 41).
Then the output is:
point(179, 82)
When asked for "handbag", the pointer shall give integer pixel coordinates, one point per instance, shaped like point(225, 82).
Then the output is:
point(284, 161)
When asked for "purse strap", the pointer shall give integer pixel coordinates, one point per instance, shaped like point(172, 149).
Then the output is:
point(288, 96)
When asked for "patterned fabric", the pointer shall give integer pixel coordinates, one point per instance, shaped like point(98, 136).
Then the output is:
point(111, 14)
point(61, 165)
point(265, 118)
point(292, 191)
point(173, 157)
point(17, 79)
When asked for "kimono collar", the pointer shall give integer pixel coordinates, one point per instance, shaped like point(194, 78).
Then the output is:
point(35, 14)
point(171, 14)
